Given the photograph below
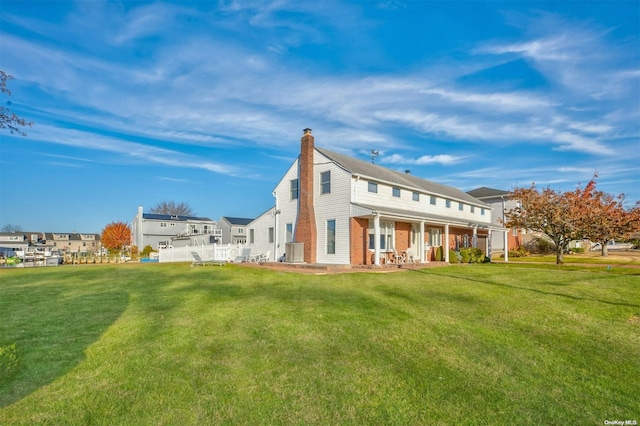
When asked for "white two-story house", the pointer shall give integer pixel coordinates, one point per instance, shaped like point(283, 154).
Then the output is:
point(348, 211)
point(163, 230)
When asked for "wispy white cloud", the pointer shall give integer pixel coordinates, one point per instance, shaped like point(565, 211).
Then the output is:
point(443, 159)
point(131, 152)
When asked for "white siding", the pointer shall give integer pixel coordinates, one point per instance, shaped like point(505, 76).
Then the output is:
point(260, 227)
point(384, 198)
point(335, 205)
point(288, 208)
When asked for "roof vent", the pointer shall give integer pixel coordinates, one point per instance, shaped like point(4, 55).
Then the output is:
point(407, 172)
point(307, 131)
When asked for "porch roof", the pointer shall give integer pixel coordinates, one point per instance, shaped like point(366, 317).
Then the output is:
point(360, 210)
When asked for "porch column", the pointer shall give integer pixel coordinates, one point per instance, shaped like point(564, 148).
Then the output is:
point(421, 245)
point(445, 245)
point(474, 238)
point(506, 245)
point(376, 240)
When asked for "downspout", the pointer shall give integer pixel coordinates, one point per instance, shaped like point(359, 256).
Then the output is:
point(276, 212)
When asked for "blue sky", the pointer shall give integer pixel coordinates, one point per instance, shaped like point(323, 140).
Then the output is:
point(134, 103)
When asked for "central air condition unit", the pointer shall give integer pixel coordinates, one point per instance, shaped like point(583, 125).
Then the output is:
point(294, 252)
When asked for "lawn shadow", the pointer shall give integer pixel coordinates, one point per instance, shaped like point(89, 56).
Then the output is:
point(533, 290)
point(52, 330)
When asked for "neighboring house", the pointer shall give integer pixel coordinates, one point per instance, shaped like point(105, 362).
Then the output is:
point(163, 230)
point(500, 202)
point(72, 242)
point(234, 229)
point(348, 211)
point(260, 241)
point(38, 241)
point(13, 241)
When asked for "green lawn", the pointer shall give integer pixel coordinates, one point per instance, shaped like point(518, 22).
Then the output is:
point(169, 344)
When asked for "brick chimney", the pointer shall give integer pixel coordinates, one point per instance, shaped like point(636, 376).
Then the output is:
point(306, 222)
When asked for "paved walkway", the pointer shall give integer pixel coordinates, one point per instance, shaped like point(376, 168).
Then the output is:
point(319, 268)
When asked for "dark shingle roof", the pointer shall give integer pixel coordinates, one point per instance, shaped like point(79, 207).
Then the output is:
point(380, 173)
point(154, 216)
point(237, 220)
point(485, 192)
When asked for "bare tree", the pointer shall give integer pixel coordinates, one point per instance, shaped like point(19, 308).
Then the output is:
point(172, 208)
point(8, 119)
point(11, 228)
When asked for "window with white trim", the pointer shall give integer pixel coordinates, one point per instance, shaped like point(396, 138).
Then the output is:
point(386, 235)
point(325, 182)
point(331, 236)
point(435, 237)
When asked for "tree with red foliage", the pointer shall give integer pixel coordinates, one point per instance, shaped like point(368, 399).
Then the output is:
point(551, 213)
point(603, 217)
point(116, 235)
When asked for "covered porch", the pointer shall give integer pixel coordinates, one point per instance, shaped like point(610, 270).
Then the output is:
point(381, 236)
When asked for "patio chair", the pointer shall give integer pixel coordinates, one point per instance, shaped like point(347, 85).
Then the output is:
point(244, 256)
point(198, 261)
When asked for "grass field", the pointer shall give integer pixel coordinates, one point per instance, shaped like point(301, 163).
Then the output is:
point(169, 344)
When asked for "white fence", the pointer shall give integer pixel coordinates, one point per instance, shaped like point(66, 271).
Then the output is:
point(212, 252)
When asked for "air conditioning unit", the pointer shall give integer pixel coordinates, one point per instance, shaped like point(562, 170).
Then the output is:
point(294, 252)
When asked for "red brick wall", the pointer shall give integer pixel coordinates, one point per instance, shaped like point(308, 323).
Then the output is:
point(359, 241)
point(306, 222)
point(403, 233)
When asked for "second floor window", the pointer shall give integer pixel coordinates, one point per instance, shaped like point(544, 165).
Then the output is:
point(416, 196)
point(447, 203)
point(293, 188)
point(373, 187)
point(325, 182)
point(396, 192)
point(289, 237)
point(432, 200)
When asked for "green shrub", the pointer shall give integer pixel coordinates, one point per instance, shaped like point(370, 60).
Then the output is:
point(9, 361)
point(146, 251)
point(439, 256)
point(519, 252)
point(579, 250)
point(541, 246)
point(472, 255)
point(454, 256)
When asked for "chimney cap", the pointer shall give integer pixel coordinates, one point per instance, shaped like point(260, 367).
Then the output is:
point(307, 131)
